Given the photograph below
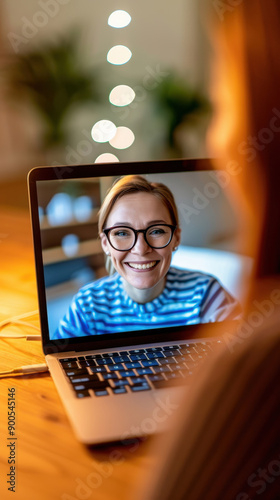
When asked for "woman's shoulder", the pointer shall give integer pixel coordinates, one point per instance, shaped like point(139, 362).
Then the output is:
point(101, 285)
point(175, 273)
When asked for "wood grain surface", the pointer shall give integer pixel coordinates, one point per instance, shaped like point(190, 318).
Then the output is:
point(50, 463)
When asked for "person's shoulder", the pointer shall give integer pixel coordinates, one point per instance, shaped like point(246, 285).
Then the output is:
point(100, 285)
point(175, 273)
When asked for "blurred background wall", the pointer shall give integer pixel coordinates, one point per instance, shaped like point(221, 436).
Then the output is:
point(56, 82)
point(82, 83)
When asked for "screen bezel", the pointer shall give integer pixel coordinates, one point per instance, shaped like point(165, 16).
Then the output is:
point(65, 172)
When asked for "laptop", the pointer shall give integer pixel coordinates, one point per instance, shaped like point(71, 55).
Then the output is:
point(126, 380)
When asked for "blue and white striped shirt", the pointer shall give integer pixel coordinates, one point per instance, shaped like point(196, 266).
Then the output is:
point(189, 297)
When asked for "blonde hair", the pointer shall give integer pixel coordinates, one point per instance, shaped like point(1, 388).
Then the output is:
point(134, 184)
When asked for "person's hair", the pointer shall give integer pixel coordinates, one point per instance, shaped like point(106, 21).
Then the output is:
point(131, 184)
point(245, 88)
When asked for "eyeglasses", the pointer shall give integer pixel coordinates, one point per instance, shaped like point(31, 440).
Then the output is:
point(123, 238)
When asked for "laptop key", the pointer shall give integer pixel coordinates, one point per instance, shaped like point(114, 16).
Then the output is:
point(170, 353)
point(67, 360)
point(68, 364)
point(161, 369)
point(179, 367)
point(143, 371)
point(154, 378)
point(98, 369)
point(101, 393)
point(195, 357)
point(91, 362)
point(78, 371)
point(83, 362)
point(78, 387)
point(81, 378)
point(82, 394)
point(120, 359)
point(134, 364)
point(200, 348)
point(153, 349)
point(187, 350)
point(104, 361)
point(110, 376)
point(136, 357)
point(166, 361)
point(119, 390)
point(138, 380)
point(152, 362)
point(173, 375)
point(116, 367)
point(93, 384)
point(75, 380)
point(127, 373)
point(140, 387)
point(120, 382)
point(154, 355)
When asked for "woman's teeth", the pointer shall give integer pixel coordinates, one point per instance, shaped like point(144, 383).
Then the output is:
point(142, 266)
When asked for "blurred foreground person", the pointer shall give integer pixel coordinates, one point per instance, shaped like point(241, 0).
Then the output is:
point(224, 442)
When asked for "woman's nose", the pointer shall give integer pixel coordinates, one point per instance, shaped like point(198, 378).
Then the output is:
point(141, 247)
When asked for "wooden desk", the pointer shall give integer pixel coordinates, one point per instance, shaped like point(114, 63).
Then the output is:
point(50, 463)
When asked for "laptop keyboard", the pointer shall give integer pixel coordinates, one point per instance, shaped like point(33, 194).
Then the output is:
point(135, 370)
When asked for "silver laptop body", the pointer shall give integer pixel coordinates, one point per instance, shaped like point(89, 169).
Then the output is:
point(64, 204)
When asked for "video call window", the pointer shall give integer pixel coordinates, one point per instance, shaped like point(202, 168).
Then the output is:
point(197, 276)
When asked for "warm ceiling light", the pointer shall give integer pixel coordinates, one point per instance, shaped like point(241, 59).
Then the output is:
point(119, 54)
point(119, 19)
point(103, 131)
point(106, 158)
point(122, 95)
point(123, 138)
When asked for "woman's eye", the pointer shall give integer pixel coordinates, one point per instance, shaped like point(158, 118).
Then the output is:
point(156, 232)
point(120, 234)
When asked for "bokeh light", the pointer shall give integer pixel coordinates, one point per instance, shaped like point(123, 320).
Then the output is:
point(123, 138)
point(121, 95)
point(103, 131)
point(106, 158)
point(70, 245)
point(82, 208)
point(119, 19)
point(60, 210)
point(119, 54)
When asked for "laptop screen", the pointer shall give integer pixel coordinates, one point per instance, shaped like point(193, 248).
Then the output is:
point(159, 263)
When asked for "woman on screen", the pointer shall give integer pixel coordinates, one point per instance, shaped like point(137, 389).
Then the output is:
point(139, 231)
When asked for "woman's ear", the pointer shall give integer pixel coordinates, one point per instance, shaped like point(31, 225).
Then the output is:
point(177, 237)
point(104, 243)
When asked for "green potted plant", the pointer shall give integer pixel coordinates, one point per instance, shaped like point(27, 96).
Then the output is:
point(176, 103)
point(53, 79)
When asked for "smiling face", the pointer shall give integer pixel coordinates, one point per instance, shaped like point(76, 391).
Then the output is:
point(142, 267)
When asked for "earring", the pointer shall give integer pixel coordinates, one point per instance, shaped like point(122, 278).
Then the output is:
point(175, 248)
point(107, 253)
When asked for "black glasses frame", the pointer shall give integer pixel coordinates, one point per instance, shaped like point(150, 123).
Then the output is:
point(136, 231)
